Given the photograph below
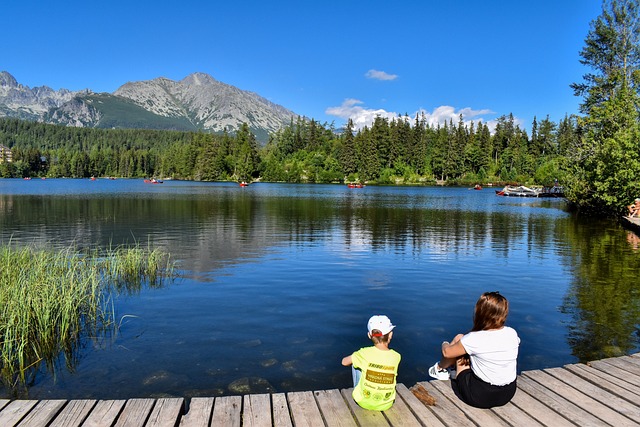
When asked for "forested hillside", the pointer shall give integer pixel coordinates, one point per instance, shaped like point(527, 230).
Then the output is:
point(404, 150)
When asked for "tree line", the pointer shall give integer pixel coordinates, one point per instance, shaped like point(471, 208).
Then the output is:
point(400, 150)
point(596, 155)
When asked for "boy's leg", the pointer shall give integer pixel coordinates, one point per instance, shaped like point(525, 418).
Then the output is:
point(355, 373)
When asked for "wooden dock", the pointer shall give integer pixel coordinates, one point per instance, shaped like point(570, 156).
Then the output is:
point(631, 223)
point(601, 393)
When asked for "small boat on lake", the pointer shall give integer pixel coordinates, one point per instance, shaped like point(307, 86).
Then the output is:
point(477, 187)
point(523, 191)
point(354, 185)
point(153, 181)
point(518, 191)
point(244, 184)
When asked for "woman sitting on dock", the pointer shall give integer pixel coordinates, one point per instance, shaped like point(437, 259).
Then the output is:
point(485, 358)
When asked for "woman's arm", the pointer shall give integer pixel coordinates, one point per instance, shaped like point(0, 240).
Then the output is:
point(453, 349)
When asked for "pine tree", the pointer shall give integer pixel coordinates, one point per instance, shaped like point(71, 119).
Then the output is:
point(605, 165)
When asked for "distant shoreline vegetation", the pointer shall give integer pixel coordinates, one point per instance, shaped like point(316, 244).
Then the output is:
point(51, 299)
point(399, 151)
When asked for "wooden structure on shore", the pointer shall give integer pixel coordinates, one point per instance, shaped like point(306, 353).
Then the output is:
point(632, 223)
point(601, 393)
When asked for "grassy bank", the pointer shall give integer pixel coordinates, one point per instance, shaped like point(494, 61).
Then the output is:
point(49, 299)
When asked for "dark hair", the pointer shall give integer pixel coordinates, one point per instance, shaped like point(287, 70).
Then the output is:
point(377, 337)
point(490, 312)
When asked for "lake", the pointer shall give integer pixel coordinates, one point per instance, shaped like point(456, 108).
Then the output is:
point(277, 281)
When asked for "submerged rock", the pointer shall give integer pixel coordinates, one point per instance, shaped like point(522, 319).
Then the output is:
point(250, 343)
point(216, 372)
point(297, 340)
point(291, 365)
point(251, 385)
point(156, 377)
point(268, 363)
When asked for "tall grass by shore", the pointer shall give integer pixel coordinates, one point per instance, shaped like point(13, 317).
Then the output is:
point(50, 299)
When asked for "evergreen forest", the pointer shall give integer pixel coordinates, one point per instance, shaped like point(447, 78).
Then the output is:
point(399, 151)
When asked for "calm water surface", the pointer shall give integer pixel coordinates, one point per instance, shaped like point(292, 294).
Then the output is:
point(278, 281)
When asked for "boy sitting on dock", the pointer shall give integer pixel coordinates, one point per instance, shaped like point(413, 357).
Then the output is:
point(375, 368)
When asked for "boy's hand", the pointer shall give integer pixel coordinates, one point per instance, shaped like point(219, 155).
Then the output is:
point(346, 361)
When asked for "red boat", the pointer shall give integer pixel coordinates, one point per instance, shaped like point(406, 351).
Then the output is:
point(354, 185)
point(244, 184)
point(477, 187)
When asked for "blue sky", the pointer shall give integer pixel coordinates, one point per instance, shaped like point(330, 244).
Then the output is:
point(328, 60)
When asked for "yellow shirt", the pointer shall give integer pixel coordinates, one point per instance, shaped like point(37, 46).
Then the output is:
point(377, 387)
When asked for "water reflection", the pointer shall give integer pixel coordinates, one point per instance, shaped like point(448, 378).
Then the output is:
point(279, 279)
point(604, 299)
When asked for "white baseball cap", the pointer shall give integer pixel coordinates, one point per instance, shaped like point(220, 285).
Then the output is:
point(381, 323)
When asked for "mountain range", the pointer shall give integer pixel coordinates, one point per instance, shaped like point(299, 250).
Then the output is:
point(197, 102)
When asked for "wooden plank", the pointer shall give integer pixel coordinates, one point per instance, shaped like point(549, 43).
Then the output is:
point(15, 411)
point(420, 410)
point(227, 411)
point(617, 404)
point(444, 409)
point(482, 417)
point(628, 391)
point(538, 410)
point(614, 371)
point(304, 410)
point(363, 416)
point(166, 412)
point(135, 413)
point(400, 415)
point(104, 413)
point(43, 413)
point(516, 416)
point(4, 402)
point(256, 410)
point(74, 413)
point(558, 403)
point(334, 409)
point(622, 363)
point(280, 408)
point(579, 399)
point(199, 415)
point(631, 359)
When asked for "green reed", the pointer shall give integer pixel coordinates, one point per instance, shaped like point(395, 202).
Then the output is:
point(50, 298)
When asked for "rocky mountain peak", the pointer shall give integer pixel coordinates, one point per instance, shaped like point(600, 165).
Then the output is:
point(7, 80)
point(198, 79)
point(198, 101)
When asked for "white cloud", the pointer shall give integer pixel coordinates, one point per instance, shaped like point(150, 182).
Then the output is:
point(446, 113)
point(361, 116)
point(380, 75)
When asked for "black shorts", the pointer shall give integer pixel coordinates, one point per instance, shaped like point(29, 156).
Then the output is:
point(475, 392)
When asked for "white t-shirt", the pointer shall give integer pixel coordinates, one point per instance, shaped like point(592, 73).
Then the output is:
point(493, 354)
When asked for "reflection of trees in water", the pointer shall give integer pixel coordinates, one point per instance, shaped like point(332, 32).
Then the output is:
point(604, 299)
point(204, 233)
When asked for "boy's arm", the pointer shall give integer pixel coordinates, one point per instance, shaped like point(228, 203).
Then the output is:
point(346, 361)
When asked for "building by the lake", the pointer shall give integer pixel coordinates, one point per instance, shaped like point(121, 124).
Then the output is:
point(5, 154)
